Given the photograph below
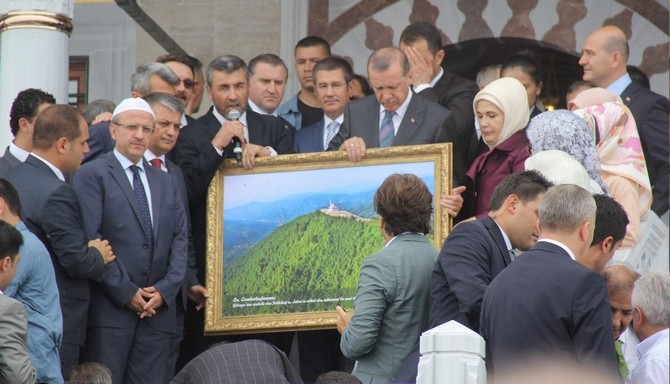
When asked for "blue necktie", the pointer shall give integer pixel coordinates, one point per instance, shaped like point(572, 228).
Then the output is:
point(331, 131)
point(143, 204)
point(386, 132)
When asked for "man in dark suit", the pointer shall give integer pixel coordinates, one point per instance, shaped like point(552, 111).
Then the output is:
point(203, 145)
point(168, 111)
point(52, 212)
point(422, 43)
point(546, 303)
point(332, 84)
point(148, 78)
point(25, 108)
point(139, 209)
point(604, 57)
point(394, 115)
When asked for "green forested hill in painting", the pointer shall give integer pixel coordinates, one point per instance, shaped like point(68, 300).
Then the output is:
point(313, 257)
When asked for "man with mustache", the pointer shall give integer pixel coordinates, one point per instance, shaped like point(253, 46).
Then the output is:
point(184, 67)
point(132, 319)
point(148, 78)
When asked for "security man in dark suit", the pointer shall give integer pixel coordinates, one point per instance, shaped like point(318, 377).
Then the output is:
point(52, 211)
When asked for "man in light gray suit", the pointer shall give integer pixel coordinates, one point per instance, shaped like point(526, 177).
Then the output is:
point(391, 305)
point(15, 364)
point(139, 209)
point(395, 115)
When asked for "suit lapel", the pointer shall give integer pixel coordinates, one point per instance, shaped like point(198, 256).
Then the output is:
point(121, 179)
point(374, 112)
point(411, 122)
point(497, 236)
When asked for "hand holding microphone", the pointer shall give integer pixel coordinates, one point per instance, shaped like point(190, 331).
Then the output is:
point(234, 115)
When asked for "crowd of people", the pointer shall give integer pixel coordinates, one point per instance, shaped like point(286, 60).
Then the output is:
point(103, 217)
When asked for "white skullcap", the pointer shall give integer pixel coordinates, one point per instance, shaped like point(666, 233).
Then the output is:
point(133, 104)
point(560, 168)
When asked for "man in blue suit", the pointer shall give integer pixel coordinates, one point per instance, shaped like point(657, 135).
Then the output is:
point(547, 304)
point(332, 84)
point(140, 210)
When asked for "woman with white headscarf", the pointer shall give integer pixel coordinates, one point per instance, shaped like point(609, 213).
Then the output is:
point(501, 109)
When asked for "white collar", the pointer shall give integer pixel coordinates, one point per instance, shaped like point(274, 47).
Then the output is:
point(18, 152)
point(125, 162)
point(558, 243)
point(148, 155)
point(55, 170)
point(437, 78)
point(327, 120)
point(260, 110)
point(403, 107)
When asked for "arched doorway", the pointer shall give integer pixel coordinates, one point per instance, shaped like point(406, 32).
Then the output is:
point(559, 67)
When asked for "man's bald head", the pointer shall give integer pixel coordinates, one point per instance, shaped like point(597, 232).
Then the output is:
point(604, 56)
point(620, 278)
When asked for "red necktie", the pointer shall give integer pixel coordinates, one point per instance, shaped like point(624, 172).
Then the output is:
point(156, 163)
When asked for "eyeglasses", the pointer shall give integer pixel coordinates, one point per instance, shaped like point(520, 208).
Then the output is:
point(136, 127)
point(188, 83)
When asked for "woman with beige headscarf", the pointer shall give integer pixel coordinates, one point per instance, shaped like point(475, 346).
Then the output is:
point(501, 109)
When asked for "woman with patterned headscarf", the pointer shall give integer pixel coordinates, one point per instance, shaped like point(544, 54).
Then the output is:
point(501, 109)
point(622, 162)
point(564, 131)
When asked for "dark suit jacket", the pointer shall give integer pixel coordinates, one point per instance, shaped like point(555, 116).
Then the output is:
point(425, 122)
point(249, 361)
point(51, 210)
point(111, 212)
point(309, 139)
point(7, 162)
point(545, 303)
point(456, 94)
point(651, 115)
point(190, 279)
point(196, 156)
point(471, 257)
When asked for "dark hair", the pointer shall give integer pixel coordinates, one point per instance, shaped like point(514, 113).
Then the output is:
point(405, 204)
point(226, 64)
point(381, 59)
point(96, 107)
point(332, 63)
point(56, 121)
point(337, 377)
point(11, 197)
point(25, 106)
point(267, 58)
point(528, 62)
point(423, 30)
point(90, 373)
point(10, 241)
point(313, 41)
point(365, 85)
point(638, 76)
point(184, 59)
point(577, 84)
point(526, 185)
point(611, 219)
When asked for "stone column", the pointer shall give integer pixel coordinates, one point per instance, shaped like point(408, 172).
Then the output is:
point(33, 52)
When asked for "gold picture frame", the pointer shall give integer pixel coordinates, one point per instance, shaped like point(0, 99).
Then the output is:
point(237, 201)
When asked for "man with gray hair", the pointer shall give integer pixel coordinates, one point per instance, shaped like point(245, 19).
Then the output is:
point(148, 78)
point(545, 303)
point(651, 320)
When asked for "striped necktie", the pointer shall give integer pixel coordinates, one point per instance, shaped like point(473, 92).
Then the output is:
point(387, 131)
point(331, 130)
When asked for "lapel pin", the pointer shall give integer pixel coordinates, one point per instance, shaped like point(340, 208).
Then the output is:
point(627, 98)
point(412, 120)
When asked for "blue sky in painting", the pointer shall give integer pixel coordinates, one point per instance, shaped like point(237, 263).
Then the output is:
point(268, 187)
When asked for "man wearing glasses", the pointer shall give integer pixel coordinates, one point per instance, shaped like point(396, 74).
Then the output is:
point(183, 67)
point(148, 78)
point(139, 209)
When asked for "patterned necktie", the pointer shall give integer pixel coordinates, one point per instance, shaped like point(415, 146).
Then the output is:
point(156, 163)
point(331, 131)
point(623, 368)
point(143, 204)
point(386, 132)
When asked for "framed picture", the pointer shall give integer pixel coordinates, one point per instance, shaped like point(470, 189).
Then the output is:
point(286, 240)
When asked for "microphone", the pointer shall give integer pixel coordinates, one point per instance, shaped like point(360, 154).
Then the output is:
point(234, 115)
